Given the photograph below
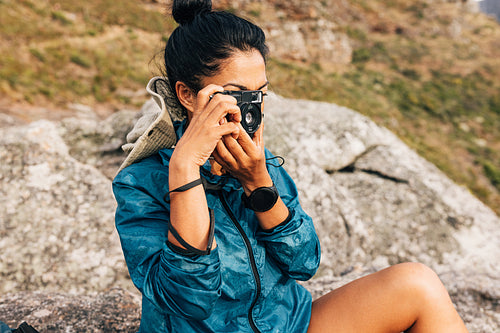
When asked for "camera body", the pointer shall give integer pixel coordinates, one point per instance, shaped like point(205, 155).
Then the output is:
point(250, 104)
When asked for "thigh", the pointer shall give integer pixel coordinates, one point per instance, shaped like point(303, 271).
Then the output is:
point(380, 302)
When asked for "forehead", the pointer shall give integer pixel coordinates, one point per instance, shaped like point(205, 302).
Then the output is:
point(242, 69)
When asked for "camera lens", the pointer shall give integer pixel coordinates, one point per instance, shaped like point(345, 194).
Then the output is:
point(251, 117)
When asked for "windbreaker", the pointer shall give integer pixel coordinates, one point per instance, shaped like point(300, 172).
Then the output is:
point(246, 284)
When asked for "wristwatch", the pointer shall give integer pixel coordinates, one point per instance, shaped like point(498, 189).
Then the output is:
point(261, 199)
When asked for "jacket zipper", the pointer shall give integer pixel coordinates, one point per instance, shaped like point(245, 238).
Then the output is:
point(250, 255)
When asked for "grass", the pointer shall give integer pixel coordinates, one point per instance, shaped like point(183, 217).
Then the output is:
point(492, 172)
point(440, 95)
point(77, 51)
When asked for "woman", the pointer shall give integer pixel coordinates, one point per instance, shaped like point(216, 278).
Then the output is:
point(212, 229)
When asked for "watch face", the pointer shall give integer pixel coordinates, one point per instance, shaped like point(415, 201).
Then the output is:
point(263, 198)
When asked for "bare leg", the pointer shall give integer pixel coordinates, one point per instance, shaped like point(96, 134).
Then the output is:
point(406, 297)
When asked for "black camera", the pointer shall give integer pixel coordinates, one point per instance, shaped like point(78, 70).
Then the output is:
point(250, 104)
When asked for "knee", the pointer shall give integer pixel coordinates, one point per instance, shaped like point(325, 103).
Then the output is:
point(419, 281)
point(415, 270)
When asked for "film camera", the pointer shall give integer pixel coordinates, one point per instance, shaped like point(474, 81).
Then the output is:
point(250, 104)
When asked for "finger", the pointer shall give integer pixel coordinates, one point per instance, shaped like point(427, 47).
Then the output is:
point(217, 158)
point(214, 114)
point(224, 157)
point(234, 115)
point(223, 121)
point(246, 142)
point(228, 129)
point(222, 106)
point(258, 137)
point(221, 100)
point(217, 105)
point(234, 147)
point(205, 95)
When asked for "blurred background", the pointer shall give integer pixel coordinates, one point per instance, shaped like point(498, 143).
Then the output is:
point(428, 70)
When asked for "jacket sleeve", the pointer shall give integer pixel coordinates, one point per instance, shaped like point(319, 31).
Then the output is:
point(177, 283)
point(294, 245)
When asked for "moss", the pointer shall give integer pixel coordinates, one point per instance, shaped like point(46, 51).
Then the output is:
point(255, 13)
point(80, 60)
point(417, 9)
point(61, 17)
point(37, 54)
point(380, 52)
point(492, 172)
point(361, 55)
point(355, 33)
point(494, 104)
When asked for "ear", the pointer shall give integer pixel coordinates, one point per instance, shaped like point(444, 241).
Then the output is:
point(185, 95)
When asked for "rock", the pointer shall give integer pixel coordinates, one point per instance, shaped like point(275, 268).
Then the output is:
point(115, 310)
point(316, 41)
point(7, 121)
point(374, 201)
point(56, 216)
point(97, 142)
point(371, 197)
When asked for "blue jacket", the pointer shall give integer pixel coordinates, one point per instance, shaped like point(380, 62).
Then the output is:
point(246, 284)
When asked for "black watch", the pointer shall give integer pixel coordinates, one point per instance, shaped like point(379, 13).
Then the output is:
point(261, 199)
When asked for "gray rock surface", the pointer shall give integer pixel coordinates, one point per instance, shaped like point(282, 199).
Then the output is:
point(116, 310)
point(315, 41)
point(56, 216)
point(372, 198)
point(375, 202)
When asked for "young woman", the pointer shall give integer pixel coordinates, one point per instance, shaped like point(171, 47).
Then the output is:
point(212, 230)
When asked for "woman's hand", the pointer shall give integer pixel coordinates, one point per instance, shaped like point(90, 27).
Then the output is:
point(244, 158)
point(207, 127)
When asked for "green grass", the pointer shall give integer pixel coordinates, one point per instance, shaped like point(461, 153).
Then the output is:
point(58, 52)
point(492, 172)
point(94, 66)
point(130, 13)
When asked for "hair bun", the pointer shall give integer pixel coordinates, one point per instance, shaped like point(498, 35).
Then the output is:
point(184, 11)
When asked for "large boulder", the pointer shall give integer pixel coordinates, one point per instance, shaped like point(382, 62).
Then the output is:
point(116, 310)
point(374, 201)
point(56, 216)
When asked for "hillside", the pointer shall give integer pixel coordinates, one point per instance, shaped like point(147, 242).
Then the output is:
point(427, 70)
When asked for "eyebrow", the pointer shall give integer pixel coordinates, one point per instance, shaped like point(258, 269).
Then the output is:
point(243, 87)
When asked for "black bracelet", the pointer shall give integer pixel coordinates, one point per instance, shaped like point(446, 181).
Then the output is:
point(184, 188)
point(190, 250)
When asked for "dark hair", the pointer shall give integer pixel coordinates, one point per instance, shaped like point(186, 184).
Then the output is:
point(203, 39)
